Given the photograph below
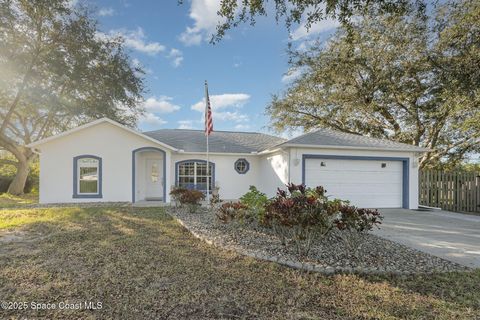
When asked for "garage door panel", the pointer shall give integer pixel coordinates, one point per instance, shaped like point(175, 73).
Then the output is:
point(363, 201)
point(367, 188)
point(355, 165)
point(365, 183)
point(356, 178)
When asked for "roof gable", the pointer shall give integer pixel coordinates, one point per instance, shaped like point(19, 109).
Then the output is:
point(93, 123)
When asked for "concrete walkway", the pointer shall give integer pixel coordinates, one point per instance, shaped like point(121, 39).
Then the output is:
point(452, 236)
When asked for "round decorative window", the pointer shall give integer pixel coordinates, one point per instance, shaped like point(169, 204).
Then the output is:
point(242, 166)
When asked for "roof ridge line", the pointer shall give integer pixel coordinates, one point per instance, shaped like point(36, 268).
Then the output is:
point(230, 131)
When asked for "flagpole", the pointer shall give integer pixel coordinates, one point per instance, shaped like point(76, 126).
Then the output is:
point(208, 160)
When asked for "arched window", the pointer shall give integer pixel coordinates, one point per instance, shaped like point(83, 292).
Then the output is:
point(87, 177)
point(192, 174)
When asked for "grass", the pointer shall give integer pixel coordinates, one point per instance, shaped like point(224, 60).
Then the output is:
point(11, 201)
point(142, 265)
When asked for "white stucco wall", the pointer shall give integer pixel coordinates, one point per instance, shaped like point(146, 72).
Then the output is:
point(113, 144)
point(232, 184)
point(296, 165)
point(274, 172)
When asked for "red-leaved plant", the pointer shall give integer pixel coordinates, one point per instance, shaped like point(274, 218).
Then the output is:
point(353, 224)
point(190, 198)
point(301, 215)
point(230, 211)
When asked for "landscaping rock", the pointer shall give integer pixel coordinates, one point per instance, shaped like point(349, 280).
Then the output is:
point(375, 256)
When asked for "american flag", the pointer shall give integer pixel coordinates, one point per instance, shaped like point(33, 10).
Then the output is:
point(208, 113)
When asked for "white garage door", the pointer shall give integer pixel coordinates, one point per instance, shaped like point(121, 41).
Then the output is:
point(366, 183)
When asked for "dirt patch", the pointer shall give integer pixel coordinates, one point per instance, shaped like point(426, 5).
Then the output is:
point(12, 236)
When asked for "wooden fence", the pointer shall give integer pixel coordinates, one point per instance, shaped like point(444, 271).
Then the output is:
point(454, 191)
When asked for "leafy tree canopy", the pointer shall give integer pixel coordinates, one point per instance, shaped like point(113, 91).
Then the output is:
point(411, 78)
point(235, 12)
point(57, 72)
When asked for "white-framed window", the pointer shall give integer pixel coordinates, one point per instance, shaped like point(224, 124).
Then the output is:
point(192, 174)
point(87, 176)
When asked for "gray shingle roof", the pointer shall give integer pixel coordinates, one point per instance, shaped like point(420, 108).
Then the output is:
point(219, 141)
point(326, 137)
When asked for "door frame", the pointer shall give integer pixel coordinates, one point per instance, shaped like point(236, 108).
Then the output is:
point(405, 169)
point(134, 167)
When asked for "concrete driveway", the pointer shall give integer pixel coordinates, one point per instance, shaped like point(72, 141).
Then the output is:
point(452, 236)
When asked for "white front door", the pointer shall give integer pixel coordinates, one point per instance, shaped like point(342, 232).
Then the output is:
point(154, 179)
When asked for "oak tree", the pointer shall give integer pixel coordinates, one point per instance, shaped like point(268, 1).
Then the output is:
point(56, 72)
point(411, 78)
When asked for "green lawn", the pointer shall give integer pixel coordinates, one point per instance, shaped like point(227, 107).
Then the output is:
point(10, 201)
point(141, 264)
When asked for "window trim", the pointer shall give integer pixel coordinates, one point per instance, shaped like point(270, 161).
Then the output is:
point(177, 173)
point(247, 168)
point(76, 193)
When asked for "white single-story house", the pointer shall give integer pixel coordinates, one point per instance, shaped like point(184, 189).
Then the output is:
point(106, 161)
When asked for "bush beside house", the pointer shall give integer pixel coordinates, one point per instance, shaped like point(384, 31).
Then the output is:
point(186, 197)
point(299, 216)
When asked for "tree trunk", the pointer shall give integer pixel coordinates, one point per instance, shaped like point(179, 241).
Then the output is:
point(18, 183)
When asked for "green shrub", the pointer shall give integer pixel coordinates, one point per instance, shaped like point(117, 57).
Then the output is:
point(255, 201)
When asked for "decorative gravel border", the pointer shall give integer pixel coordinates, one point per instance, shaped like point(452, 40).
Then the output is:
point(201, 226)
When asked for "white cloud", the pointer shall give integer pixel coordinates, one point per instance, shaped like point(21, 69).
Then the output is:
point(204, 14)
point(302, 32)
point(104, 12)
point(176, 56)
point(185, 124)
point(136, 40)
point(291, 75)
point(190, 37)
point(223, 101)
point(163, 104)
point(230, 116)
point(151, 119)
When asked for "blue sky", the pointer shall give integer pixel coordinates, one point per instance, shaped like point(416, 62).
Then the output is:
point(171, 42)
